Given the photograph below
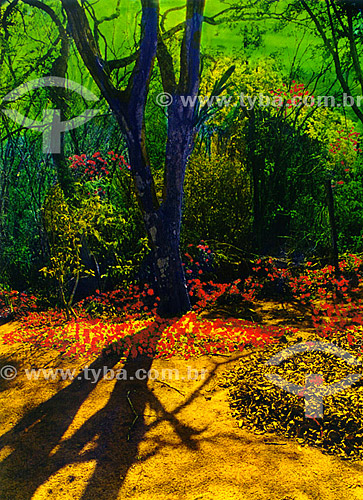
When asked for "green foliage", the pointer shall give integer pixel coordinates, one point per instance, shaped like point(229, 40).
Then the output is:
point(116, 235)
point(217, 199)
point(286, 152)
point(98, 231)
point(65, 229)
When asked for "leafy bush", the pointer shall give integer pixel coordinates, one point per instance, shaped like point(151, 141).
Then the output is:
point(97, 232)
point(14, 304)
point(217, 202)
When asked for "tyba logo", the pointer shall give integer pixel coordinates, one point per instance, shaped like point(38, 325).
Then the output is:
point(51, 126)
point(314, 390)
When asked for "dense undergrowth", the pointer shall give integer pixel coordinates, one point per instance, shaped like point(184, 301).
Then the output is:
point(127, 319)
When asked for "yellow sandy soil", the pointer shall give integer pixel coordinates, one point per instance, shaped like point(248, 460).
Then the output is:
point(78, 440)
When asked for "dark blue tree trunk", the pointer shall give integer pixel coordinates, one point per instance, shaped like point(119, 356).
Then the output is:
point(163, 221)
point(162, 218)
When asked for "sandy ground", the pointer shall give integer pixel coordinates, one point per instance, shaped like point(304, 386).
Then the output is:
point(148, 440)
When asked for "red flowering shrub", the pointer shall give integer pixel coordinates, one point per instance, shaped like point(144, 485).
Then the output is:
point(295, 96)
point(96, 167)
point(199, 261)
point(96, 172)
point(341, 317)
point(343, 154)
point(133, 302)
point(14, 304)
point(302, 284)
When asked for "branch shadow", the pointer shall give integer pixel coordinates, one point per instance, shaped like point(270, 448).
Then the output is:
point(38, 450)
point(9, 367)
point(40, 431)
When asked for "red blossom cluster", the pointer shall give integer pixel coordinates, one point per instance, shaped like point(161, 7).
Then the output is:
point(314, 282)
point(293, 96)
point(155, 337)
point(200, 262)
point(344, 141)
point(205, 293)
point(329, 318)
point(139, 302)
point(133, 302)
point(96, 167)
point(347, 141)
point(14, 304)
point(265, 272)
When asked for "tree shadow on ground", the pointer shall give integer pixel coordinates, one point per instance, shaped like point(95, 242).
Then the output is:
point(9, 367)
point(110, 437)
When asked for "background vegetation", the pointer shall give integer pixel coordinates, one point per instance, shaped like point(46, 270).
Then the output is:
point(255, 185)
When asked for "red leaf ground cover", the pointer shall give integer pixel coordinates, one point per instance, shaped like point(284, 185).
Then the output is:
point(127, 321)
point(187, 336)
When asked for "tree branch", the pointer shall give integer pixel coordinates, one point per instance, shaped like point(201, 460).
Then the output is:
point(137, 87)
point(166, 35)
point(338, 69)
point(87, 48)
point(190, 49)
point(353, 50)
point(51, 14)
point(166, 66)
point(163, 17)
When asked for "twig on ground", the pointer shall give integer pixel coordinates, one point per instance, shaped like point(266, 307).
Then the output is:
point(135, 418)
point(171, 387)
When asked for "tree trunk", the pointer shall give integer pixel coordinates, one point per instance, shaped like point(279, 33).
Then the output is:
point(161, 221)
point(168, 270)
point(333, 228)
point(256, 167)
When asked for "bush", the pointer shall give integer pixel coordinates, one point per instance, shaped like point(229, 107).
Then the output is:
point(217, 202)
point(14, 304)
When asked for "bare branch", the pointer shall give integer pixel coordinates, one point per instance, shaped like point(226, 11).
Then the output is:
point(166, 35)
point(87, 48)
point(190, 49)
point(166, 66)
point(164, 16)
